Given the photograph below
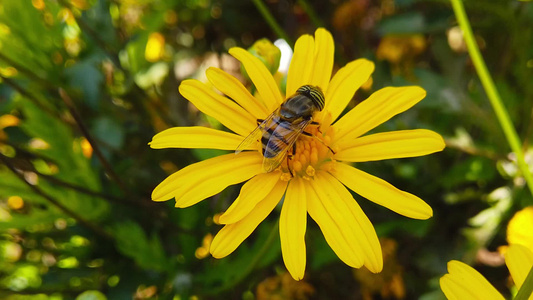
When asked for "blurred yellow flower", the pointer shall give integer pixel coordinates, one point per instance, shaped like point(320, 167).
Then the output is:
point(388, 284)
point(7, 121)
point(155, 47)
point(8, 72)
point(397, 48)
point(203, 251)
point(520, 228)
point(283, 287)
point(315, 180)
point(80, 4)
point(464, 282)
point(38, 4)
point(67, 16)
point(86, 148)
point(15, 202)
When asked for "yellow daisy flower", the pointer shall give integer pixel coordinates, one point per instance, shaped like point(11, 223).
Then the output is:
point(316, 178)
point(464, 282)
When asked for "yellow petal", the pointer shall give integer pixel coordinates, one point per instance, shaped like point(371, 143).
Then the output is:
point(260, 76)
point(345, 211)
point(198, 181)
point(252, 192)
point(232, 235)
point(323, 60)
point(302, 63)
point(197, 137)
point(387, 145)
point(234, 89)
point(344, 84)
point(378, 108)
point(520, 228)
point(337, 230)
point(292, 226)
point(381, 192)
point(227, 112)
point(463, 282)
point(519, 260)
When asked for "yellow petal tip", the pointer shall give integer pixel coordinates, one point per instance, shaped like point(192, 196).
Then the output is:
point(233, 50)
point(375, 268)
point(215, 254)
point(223, 219)
point(424, 212)
point(158, 198)
point(421, 91)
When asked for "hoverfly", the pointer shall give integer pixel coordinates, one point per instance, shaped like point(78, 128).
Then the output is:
point(280, 130)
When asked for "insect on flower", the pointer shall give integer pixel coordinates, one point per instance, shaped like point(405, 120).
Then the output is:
point(320, 179)
point(280, 130)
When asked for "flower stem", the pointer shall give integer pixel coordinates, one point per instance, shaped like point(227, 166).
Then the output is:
point(492, 92)
point(527, 287)
point(271, 21)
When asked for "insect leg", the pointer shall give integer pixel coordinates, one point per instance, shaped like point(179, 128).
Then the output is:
point(316, 124)
point(289, 157)
point(259, 121)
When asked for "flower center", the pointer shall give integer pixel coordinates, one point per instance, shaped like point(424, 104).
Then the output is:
point(309, 153)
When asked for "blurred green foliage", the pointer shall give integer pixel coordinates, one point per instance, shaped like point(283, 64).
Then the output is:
point(77, 222)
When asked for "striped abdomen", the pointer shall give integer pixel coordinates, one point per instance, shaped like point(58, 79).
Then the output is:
point(274, 139)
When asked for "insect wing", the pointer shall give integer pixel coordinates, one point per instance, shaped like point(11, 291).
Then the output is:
point(255, 135)
point(282, 139)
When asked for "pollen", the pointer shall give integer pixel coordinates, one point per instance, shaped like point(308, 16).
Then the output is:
point(285, 176)
point(310, 152)
point(310, 171)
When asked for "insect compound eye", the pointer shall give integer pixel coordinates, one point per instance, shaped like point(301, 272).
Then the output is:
point(314, 93)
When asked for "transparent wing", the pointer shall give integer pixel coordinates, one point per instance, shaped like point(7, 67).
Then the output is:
point(290, 135)
point(255, 135)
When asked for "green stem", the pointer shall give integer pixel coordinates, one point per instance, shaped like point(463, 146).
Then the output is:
point(96, 148)
point(492, 92)
point(271, 21)
point(527, 287)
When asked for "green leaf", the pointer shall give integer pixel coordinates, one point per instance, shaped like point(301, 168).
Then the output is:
point(487, 222)
point(148, 253)
point(31, 40)
point(86, 76)
point(403, 24)
point(91, 295)
point(108, 131)
point(474, 169)
point(73, 167)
